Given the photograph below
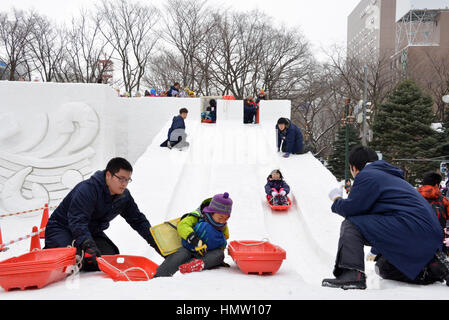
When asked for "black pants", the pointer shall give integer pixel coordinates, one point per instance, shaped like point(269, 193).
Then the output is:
point(61, 237)
point(351, 255)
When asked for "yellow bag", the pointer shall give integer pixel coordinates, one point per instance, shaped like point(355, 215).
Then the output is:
point(166, 236)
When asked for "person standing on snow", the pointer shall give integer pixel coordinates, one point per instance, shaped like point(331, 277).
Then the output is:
point(176, 136)
point(384, 211)
point(249, 110)
point(174, 90)
point(430, 190)
point(204, 233)
point(290, 136)
point(87, 210)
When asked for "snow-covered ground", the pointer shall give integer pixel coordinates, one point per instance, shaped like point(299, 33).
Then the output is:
point(236, 158)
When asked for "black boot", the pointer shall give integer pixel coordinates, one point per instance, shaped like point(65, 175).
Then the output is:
point(442, 266)
point(349, 279)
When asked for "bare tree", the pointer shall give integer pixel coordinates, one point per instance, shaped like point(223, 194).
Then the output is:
point(317, 108)
point(286, 60)
point(130, 29)
point(46, 47)
point(239, 37)
point(432, 74)
point(15, 33)
point(85, 48)
point(186, 27)
point(350, 71)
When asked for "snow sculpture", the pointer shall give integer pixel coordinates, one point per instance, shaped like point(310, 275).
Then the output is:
point(42, 164)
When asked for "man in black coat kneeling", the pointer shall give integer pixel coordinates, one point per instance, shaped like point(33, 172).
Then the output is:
point(84, 214)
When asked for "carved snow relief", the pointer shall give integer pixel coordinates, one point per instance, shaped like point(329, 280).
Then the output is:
point(44, 155)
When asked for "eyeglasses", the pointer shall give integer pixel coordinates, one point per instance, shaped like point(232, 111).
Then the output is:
point(123, 180)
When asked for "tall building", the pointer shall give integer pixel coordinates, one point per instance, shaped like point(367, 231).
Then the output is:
point(422, 47)
point(412, 34)
point(421, 35)
point(371, 29)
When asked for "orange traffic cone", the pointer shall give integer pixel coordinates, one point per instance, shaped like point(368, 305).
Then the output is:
point(35, 242)
point(44, 221)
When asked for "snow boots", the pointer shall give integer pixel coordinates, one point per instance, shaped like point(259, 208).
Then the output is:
point(283, 200)
point(443, 269)
point(349, 279)
point(195, 265)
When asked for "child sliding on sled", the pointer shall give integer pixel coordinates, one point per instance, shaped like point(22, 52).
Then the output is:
point(277, 189)
point(204, 233)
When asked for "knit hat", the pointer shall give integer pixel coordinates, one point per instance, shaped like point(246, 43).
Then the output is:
point(220, 203)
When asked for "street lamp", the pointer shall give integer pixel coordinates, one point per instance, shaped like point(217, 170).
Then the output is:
point(347, 103)
point(446, 98)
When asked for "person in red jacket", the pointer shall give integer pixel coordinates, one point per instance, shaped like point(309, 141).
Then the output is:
point(430, 190)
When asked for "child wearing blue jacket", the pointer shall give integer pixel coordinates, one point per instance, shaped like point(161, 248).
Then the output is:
point(204, 233)
point(276, 188)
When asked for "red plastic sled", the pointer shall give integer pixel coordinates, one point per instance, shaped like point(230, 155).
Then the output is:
point(207, 121)
point(280, 207)
point(257, 257)
point(36, 269)
point(127, 268)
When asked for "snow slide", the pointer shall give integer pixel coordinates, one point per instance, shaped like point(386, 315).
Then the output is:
point(237, 158)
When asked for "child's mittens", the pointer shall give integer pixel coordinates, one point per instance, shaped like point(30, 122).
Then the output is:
point(201, 248)
point(335, 193)
point(195, 241)
point(274, 193)
point(282, 193)
point(193, 266)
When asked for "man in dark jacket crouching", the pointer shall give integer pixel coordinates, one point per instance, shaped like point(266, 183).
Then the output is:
point(387, 213)
point(87, 210)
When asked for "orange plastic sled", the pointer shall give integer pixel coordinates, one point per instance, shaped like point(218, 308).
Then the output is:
point(36, 269)
point(127, 268)
point(257, 257)
point(280, 207)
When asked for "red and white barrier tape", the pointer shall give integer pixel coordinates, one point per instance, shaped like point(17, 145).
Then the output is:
point(27, 211)
point(7, 244)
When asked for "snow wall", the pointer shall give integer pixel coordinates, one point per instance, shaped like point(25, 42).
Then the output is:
point(54, 135)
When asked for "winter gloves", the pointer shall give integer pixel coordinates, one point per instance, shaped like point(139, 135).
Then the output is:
point(195, 241)
point(275, 193)
point(336, 193)
point(91, 252)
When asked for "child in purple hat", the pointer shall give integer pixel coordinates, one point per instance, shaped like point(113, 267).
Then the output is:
point(204, 233)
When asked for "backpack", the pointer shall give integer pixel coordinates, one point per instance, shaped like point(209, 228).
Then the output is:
point(440, 210)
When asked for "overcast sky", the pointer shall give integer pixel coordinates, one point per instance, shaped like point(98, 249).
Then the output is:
point(323, 22)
